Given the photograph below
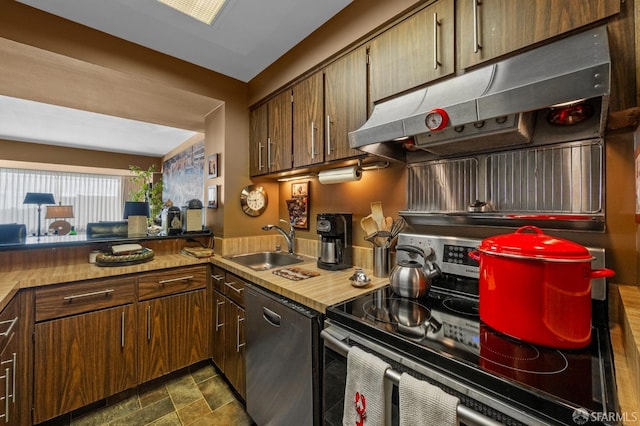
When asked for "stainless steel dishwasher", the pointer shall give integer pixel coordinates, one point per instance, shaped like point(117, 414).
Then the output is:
point(283, 360)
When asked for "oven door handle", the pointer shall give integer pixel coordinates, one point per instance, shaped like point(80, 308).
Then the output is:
point(465, 414)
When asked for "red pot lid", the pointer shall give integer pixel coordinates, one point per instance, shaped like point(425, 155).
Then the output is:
point(536, 245)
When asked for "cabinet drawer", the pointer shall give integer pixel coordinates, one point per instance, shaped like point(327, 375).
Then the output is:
point(172, 281)
point(234, 288)
point(70, 299)
point(217, 277)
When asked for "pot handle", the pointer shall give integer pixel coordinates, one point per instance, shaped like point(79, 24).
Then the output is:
point(411, 249)
point(601, 273)
point(475, 255)
point(529, 227)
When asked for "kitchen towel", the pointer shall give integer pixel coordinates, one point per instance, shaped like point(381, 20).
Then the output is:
point(367, 397)
point(436, 407)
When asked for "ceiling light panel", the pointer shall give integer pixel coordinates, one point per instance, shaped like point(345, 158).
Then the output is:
point(202, 10)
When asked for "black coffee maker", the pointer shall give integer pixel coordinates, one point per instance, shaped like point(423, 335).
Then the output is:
point(336, 248)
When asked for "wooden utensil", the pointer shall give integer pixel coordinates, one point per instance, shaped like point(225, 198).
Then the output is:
point(369, 225)
point(377, 214)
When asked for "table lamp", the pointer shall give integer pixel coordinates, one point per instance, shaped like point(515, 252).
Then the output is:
point(39, 198)
point(136, 213)
point(59, 227)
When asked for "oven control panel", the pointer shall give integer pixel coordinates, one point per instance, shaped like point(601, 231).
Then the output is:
point(451, 254)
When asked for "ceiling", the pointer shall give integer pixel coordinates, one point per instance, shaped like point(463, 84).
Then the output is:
point(246, 37)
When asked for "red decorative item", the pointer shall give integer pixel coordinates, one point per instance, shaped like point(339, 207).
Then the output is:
point(361, 409)
point(537, 288)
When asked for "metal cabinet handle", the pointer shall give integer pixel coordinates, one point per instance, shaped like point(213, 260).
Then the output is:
point(148, 322)
point(328, 135)
point(230, 285)
point(436, 24)
point(238, 344)
point(122, 330)
point(173, 280)
point(13, 379)
point(271, 317)
point(260, 147)
point(476, 41)
point(106, 292)
point(218, 323)
point(217, 277)
point(313, 140)
point(8, 330)
point(6, 395)
point(269, 164)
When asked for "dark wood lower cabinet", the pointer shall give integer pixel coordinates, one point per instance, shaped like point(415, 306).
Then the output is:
point(82, 359)
point(234, 348)
point(219, 329)
point(96, 338)
point(174, 333)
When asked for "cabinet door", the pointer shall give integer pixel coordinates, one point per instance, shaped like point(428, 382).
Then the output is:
point(82, 359)
point(488, 29)
point(234, 357)
point(280, 133)
point(219, 326)
point(258, 139)
point(414, 52)
point(307, 121)
point(174, 333)
point(345, 102)
point(11, 361)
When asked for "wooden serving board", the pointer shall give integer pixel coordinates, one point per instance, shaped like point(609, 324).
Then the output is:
point(295, 274)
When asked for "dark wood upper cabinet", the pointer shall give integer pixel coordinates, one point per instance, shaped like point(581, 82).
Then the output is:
point(308, 131)
point(415, 51)
point(258, 140)
point(345, 98)
point(488, 29)
point(270, 136)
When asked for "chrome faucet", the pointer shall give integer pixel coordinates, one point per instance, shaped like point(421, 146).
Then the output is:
point(289, 237)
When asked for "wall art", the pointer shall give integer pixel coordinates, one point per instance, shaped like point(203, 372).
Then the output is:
point(213, 166)
point(212, 197)
point(298, 205)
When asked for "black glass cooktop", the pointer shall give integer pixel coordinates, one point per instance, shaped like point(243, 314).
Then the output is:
point(447, 334)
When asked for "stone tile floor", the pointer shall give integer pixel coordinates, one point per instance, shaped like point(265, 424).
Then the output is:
point(194, 397)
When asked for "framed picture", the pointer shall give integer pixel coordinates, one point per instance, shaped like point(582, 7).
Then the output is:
point(213, 166)
point(300, 189)
point(298, 205)
point(637, 180)
point(212, 197)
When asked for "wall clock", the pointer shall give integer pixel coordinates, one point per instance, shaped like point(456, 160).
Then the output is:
point(253, 200)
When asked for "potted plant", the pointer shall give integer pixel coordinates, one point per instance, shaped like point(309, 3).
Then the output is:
point(145, 190)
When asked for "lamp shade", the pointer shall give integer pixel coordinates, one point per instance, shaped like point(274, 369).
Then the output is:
point(38, 198)
point(136, 208)
point(59, 212)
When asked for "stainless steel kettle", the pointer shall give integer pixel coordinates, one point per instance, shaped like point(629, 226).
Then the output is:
point(410, 278)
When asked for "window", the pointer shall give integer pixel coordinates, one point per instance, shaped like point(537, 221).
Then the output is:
point(94, 197)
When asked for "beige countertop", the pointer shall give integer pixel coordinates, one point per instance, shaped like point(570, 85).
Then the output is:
point(328, 288)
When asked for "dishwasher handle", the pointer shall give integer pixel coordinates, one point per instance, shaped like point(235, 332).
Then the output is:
point(271, 317)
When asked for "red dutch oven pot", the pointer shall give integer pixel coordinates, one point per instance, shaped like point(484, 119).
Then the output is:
point(537, 288)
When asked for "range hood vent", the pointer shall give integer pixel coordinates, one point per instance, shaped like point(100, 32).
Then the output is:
point(568, 70)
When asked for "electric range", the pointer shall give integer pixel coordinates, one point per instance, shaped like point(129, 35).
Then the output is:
point(441, 338)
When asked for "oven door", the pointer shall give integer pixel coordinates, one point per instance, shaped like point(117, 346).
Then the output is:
point(486, 411)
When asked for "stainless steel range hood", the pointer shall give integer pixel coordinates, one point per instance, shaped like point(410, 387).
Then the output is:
point(499, 98)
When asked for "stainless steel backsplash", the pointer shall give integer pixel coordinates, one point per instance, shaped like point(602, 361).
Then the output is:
point(565, 178)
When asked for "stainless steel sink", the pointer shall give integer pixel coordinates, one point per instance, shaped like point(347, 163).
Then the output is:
point(264, 260)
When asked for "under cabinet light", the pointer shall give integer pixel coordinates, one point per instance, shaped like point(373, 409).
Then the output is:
point(202, 10)
point(290, 178)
